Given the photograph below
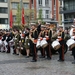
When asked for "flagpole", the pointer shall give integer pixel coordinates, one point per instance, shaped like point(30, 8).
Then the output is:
point(21, 5)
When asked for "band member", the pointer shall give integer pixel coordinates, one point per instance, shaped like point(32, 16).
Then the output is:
point(4, 37)
point(8, 39)
point(74, 21)
point(27, 42)
point(53, 38)
point(1, 40)
point(39, 26)
point(17, 39)
point(33, 37)
point(21, 43)
point(48, 35)
point(61, 41)
point(41, 36)
point(71, 30)
point(73, 49)
point(66, 37)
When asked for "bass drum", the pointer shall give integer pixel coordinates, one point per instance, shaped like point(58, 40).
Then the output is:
point(56, 45)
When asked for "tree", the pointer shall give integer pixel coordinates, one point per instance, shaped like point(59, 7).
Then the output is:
point(28, 13)
point(18, 18)
point(18, 15)
point(40, 15)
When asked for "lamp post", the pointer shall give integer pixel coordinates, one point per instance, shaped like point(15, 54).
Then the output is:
point(61, 9)
point(62, 15)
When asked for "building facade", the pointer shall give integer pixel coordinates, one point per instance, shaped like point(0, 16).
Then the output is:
point(46, 7)
point(4, 23)
point(14, 7)
point(67, 10)
point(55, 11)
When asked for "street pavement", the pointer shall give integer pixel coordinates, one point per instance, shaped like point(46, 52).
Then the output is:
point(19, 65)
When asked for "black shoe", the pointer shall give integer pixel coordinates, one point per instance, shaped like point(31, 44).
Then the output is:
point(48, 58)
point(42, 57)
point(27, 56)
point(34, 61)
point(14, 53)
point(60, 60)
point(73, 62)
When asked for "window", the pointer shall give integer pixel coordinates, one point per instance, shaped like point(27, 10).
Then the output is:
point(54, 2)
point(3, 10)
point(26, 5)
point(69, 5)
point(32, 3)
point(14, 5)
point(40, 2)
point(47, 2)
point(3, 0)
point(3, 21)
point(32, 15)
point(14, 18)
point(47, 14)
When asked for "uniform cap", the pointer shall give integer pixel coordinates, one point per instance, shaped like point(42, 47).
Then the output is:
point(47, 23)
point(74, 19)
point(73, 26)
point(60, 26)
point(32, 24)
point(43, 26)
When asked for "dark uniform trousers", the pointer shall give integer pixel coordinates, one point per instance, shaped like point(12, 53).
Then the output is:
point(61, 50)
point(33, 46)
point(73, 52)
point(48, 50)
point(33, 50)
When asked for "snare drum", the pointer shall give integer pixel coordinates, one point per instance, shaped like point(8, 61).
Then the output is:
point(44, 43)
point(70, 43)
point(5, 43)
point(38, 43)
point(11, 42)
point(0, 42)
point(56, 45)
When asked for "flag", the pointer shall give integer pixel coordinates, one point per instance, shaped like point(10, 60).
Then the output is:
point(23, 19)
point(11, 19)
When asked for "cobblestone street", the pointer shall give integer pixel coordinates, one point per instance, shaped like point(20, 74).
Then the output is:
point(19, 65)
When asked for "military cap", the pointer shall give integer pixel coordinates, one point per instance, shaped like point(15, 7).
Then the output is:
point(47, 23)
point(73, 26)
point(74, 20)
point(60, 26)
point(33, 24)
point(42, 26)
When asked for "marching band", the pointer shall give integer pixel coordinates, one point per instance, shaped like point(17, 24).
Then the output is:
point(38, 37)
